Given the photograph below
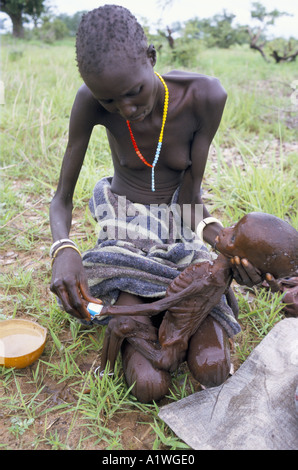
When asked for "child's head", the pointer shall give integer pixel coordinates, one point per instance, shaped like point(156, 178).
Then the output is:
point(269, 243)
point(106, 33)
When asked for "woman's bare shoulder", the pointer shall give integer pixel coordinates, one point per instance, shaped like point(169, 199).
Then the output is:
point(86, 106)
point(205, 85)
point(84, 97)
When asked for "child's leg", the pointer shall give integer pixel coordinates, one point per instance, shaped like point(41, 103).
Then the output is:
point(149, 383)
point(209, 354)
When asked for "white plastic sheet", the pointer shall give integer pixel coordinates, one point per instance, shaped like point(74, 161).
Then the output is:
point(254, 409)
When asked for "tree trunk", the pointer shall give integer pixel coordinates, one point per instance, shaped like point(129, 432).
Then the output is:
point(259, 48)
point(254, 37)
point(170, 38)
point(285, 58)
point(17, 25)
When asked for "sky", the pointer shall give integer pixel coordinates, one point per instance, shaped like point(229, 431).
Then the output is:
point(182, 10)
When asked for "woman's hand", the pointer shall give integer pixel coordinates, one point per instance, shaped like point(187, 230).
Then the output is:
point(246, 274)
point(289, 287)
point(69, 283)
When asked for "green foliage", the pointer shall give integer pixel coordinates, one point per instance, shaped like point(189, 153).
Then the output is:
point(242, 187)
point(185, 54)
point(257, 33)
point(71, 22)
point(20, 10)
point(52, 30)
point(217, 31)
point(265, 17)
point(19, 427)
point(170, 442)
point(181, 47)
point(281, 49)
point(27, 7)
point(58, 402)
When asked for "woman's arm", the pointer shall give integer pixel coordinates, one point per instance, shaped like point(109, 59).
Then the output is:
point(69, 282)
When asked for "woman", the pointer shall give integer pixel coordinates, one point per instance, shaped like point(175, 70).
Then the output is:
point(159, 130)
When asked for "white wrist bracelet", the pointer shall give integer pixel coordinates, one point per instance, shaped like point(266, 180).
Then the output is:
point(59, 242)
point(202, 225)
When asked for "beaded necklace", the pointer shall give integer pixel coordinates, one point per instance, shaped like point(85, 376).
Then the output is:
point(159, 145)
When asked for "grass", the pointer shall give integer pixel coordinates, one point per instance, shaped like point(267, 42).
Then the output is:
point(58, 402)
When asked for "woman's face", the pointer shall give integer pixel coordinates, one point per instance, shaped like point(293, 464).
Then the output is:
point(128, 88)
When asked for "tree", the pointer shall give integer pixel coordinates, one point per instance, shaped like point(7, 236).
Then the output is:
point(51, 29)
point(168, 36)
point(19, 10)
point(217, 31)
point(265, 18)
point(282, 50)
point(72, 22)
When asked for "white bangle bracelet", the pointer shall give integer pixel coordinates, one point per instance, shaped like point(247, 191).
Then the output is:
point(202, 225)
point(59, 242)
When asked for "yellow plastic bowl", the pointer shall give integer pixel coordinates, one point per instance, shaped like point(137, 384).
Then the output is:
point(21, 342)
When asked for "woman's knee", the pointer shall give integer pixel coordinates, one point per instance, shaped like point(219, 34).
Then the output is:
point(208, 357)
point(148, 384)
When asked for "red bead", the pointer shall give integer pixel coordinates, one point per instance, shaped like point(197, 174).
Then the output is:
point(136, 147)
point(166, 103)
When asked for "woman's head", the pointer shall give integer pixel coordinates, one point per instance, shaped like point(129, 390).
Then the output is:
point(116, 63)
point(106, 33)
point(269, 243)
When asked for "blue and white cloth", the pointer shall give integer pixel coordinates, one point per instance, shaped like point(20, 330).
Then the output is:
point(141, 249)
